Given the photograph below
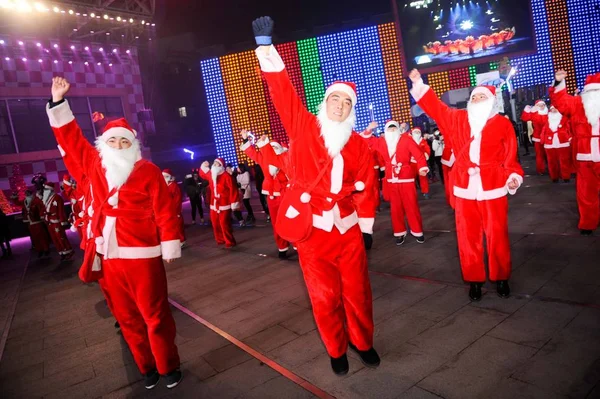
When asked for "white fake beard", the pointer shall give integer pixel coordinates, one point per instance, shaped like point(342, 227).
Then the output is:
point(554, 119)
point(335, 134)
point(417, 138)
point(215, 172)
point(543, 111)
point(118, 164)
point(479, 114)
point(391, 139)
point(273, 170)
point(591, 105)
point(47, 195)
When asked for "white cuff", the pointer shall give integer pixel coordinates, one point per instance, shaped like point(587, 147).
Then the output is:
point(245, 146)
point(62, 152)
point(205, 169)
point(366, 225)
point(519, 179)
point(424, 168)
point(365, 135)
point(418, 90)
point(262, 143)
point(271, 62)
point(561, 86)
point(170, 249)
point(59, 115)
point(528, 109)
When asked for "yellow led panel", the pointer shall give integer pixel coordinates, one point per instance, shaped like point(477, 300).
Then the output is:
point(439, 82)
point(560, 40)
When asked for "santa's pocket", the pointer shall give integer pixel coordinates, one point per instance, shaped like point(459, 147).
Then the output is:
point(294, 218)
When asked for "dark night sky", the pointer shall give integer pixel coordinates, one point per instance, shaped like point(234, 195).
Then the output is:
point(229, 22)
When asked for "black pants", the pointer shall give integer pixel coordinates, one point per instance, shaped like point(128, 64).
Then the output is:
point(438, 162)
point(196, 204)
point(248, 208)
point(431, 165)
point(5, 245)
point(525, 142)
point(263, 203)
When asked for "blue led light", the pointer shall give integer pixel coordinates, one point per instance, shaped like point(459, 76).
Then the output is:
point(217, 109)
point(585, 38)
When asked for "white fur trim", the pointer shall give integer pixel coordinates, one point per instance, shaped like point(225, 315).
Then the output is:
point(81, 214)
point(540, 102)
point(205, 169)
point(235, 206)
point(291, 212)
point(562, 145)
point(245, 146)
point(473, 171)
point(73, 228)
point(466, 193)
point(359, 186)
point(402, 234)
point(62, 152)
point(416, 234)
point(114, 200)
point(305, 198)
point(519, 179)
point(262, 143)
point(592, 86)
point(396, 180)
point(270, 62)
point(344, 88)
point(73, 201)
point(561, 86)
point(99, 241)
point(418, 90)
point(170, 249)
point(424, 168)
point(366, 225)
point(535, 140)
point(482, 90)
point(118, 132)
point(59, 115)
point(528, 109)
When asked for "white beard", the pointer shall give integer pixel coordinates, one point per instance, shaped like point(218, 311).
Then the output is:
point(591, 105)
point(391, 139)
point(479, 114)
point(47, 195)
point(215, 172)
point(417, 138)
point(335, 134)
point(118, 164)
point(543, 111)
point(554, 119)
point(273, 170)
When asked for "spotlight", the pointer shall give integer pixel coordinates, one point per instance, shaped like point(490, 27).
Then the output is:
point(114, 50)
point(91, 31)
point(86, 63)
point(38, 44)
point(77, 13)
point(153, 24)
point(119, 19)
point(40, 60)
point(70, 62)
point(71, 12)
point(40, 7)
point(92, 15)
point(72, 47)
point(55, 46)
point(143, 22)
point(55, 9)
point(7, 59)
point(24, 59)
point(86, 48)
point(20, 43)
point(1, 41)
point(99, 64)
point(107, 33)
point(466, 25)
point(110, 64)
point(128, 51)
point(74, 29)
point(130, 20)
point(105, 16)
point(56, 61)
point(137, 37)
point(100, 49)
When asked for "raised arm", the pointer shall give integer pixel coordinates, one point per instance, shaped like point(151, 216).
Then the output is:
point(204, 171)
point(249, 149)
point(374, 143)
point(563, 101)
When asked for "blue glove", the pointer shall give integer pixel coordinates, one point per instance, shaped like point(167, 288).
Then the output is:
point(263, 30)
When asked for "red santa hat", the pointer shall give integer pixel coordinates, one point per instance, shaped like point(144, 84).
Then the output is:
point(67, 179)
point(221, 161)
point(167, 173)
point(592, 82)
point(488, 91)
point(118, 128)
point(540, 101)
point(48, 186)
point(348, 88)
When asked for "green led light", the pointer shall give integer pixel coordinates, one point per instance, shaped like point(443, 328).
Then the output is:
point(473, 75)
point(310, 64)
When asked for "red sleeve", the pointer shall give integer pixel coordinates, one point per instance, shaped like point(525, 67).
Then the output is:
point(445, 117)
point(417, 153)
point(60, 210)
point(526, 116)
point(205, 174)
point(366, 201)
point(167, 222)
point(270, 157)
point(565, 103)
point(234, 193)
point(254, 155)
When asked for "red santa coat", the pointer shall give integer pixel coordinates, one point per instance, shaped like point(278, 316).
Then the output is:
point(34, 215)
point(557, 136)
point(425, 149)
point(540, 123)
point(495, 148)
point(55, 210)
point(273, 186)
point(132, 223)
point(448, 157)
point(225, 194)
point(175, 194)
point(350, 171)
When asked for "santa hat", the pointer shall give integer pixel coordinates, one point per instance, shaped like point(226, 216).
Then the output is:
point(540, 101)
point(592, 82)
point(48, 186)
point(348, 88)
point(118, 128)
point(221, 161)
point(390, 124)
point(67, 179)
point(416, 129)
point(489, 91)
point(167, 173)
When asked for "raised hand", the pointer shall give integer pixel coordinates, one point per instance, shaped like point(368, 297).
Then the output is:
point(264, 137)
point(560, 75)
point(205, 165)
point(60, 87)
point(415, 76)
point(244, 134)
point(372, 126)
point(263, 30)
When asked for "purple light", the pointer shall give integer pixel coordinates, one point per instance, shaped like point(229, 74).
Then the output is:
point(56, 61)
point(1, 41)
point(40, 60)
point(72, 47)
point(86, 48)
point(86, 63)
point(24, 59)
point(70, 62)
point(109, 64)
point(39, 44)
point(100, 49)
point(128, 51)
point(114, 50)
point(7, 59)
point(20, 43)
point(55, 46)
point(99, 64)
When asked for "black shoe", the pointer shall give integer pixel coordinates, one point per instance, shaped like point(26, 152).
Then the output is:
point(421, 239)
point(503, 289)
point(567, 180)
point(370, 358)
point(151, 379)
point(40, 254)
point(173, 378)
point(283, 254)
point(475, 292)
point(368, 240)
point(554, 180)
point(586, 232)
point(117, 325)
point(340, 365)
point(400, 240)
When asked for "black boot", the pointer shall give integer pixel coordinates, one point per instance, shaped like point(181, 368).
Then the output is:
point(340, 365)
point(283, 254)
point(368, 239)
point(400, 240)
point(586, 232)
point(370, 358)
point(475, 292)
point(503, 289)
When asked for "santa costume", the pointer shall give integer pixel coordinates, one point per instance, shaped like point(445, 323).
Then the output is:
point(486, 167)
point(56, 220)
point(176, 200)
point(398, 148)
point(33, 211)
point(557, 144)
point(417, 136)
point(274, 183)
point(448, 160)
point(538, 115)
point(329, 157)
point(584, 114)
point(225, 198)
point(133, 232)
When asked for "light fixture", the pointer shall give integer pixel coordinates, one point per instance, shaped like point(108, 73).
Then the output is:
point(86, 48)
point(143, 22)
point(55, 46)
point(91, 31)
point(105, 16)
point(71, 12)
point(55, 9)
point(100, 49)
point(114, 50)
point(92, 15)
point(74, 29)
point(7, 59)
point(56, 61)
point(98, 64)
point(38, 44)
point(20, 43)
point(86, 63)
point(24, 59)
point(72, 47)
point(128, 51)
point(1, 41)
point(70, 62)
point(107, 33)
point(110, 64)
point(153, 24)
point(119, 19)
point(130, 20)
point(40, 60)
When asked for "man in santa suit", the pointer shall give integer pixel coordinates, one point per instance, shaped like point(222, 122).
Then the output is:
point(538, 115)
point(274, 183)
point(327, 154)
point(485, 171)
point(448, 160)
point(176, 200)
point(133, 232)
point(33, 211)
point(397, 147)
point(557, 144)
point(583, 112)
point(225, 198)
point(56, 221)
point(417, 136)
point(72, 194)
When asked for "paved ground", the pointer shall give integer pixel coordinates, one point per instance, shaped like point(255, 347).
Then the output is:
point(543, 342)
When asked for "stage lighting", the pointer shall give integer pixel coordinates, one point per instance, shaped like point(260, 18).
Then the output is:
point(55, 46)
point(7, 59)
point(114, 50)
point(86, 63)
point(489, 12)
point(86, 48)
point(119, 19)
point(105, 16)
point(74, 29)
point(24, 59)
point(92, 15)
point(20, 43)
point(91, 31)
point(107, 33)
point(41, 8)
point(189, 152)
point(40, 60)
point(99, 64)
point(72, 47)
point(71, 12)
point(110, 64)
point(466, 25)
point(55, 9)
point(1, 41)
point(130, 20)
point(56, 61)
point(128, 51)
point(153, 24)
point(100, 49)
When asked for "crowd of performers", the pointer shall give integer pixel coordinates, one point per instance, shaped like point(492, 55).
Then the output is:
point(322, 195)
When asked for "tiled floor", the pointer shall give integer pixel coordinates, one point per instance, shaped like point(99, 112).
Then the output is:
point(543, 342)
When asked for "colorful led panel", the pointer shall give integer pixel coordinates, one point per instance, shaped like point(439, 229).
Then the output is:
point(312, 77)
point(560, 40)
point(459, 78)
point(439, 82)
point(585, 38)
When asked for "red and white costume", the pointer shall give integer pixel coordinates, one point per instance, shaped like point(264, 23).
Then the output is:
point(56, 220)
point(333, 258)
point(584, 114)
point(557, 144)
point(133, 231)
point(426, 150)
point(176, 200)
point(33, 211)
point(486, 161)
point(225, 198)
point(275, 182)
point(397, 150)
point(539, 119)
point(448, 160)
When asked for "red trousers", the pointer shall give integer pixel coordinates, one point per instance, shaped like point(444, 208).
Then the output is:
point(448, 185)
point(221, 224)
point(559, 163)
point(540, 157)
point(39, 238)
point(337, 278)
point(473, 219)
point(59, 238)
point(403, 203)
point(104, 290)
point(138, 298)
point(273, 204)
point(423, 180)
point(588, 190)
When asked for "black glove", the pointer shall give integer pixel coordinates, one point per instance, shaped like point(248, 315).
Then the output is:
point(368, 239)
point(263, 30)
